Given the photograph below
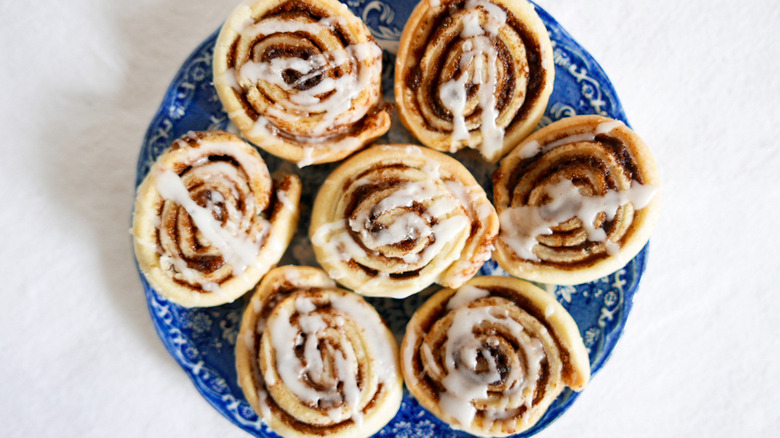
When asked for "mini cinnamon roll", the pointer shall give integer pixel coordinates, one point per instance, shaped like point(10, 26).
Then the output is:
point(301, 79)
point(577, 200)
point(491, 357)
point(209, 219)
point(314, 360)
point(394, 219)
point(473, 73)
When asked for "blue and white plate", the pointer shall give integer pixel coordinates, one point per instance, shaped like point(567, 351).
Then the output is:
point(202, 340)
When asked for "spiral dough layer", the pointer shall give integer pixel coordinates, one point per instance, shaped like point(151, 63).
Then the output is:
point(394, 219)
point(490, 357)
point(314, 360)
point(577, 200)
point(301, 79)
point(209, 220)
point(473, 73)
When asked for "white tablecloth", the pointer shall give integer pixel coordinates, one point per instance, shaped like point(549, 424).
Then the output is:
point(699, 80)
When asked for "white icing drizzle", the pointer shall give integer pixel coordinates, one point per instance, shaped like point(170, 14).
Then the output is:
point(281, 195)
point(543, 47)
point(408, 226)
point(271, 26)
point(230, 79)
point(452, 93)
point(445, 232)
point(308, 157)
point(496, 15)
point(522, 224)
point(333, 101)
point(463, 384)
point(471, 198)
point(411, 150)
point(335, 274)
point(283, 337)
point(453, 96)
point(466, 294)
point(346, 370)
point(237, 251)
point(264, 128)
point(345, 366)
point(471, 26)
point(533, 148)
point(460, 192)
point(404, 196)
point(372, 324)
point(432, 168)
point(303, 305)
point(345, 88)
point(262, 398)
point(192, 276)
point(340, 244)
point(607, 127)
point(530, 149)
point(336, 239)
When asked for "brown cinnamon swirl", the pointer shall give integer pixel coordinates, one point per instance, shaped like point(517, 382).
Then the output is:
point(577, 200)
point(394, 219)
point(301, 79)
point(473, 73)
point(490, 357)
point(314, 360)
point(209, 219)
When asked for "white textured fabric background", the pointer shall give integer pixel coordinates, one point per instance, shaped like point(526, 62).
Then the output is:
point(699, 80)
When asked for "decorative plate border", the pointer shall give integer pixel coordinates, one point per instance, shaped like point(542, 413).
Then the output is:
point(202, 340)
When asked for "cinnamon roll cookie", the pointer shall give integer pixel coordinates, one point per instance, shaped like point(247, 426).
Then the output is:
point(577, 200)
point(301, 79)
point(210, 220)
point(314, 360)
point(473, 73)
point(491, 357)
point(394, 219)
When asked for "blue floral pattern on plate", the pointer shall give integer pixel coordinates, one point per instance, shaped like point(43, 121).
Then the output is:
point(202, 340)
